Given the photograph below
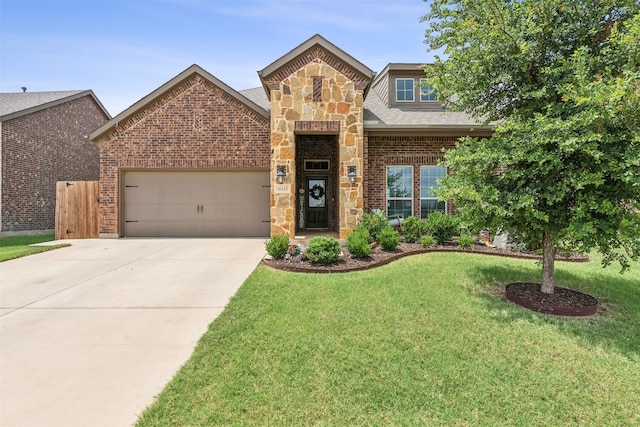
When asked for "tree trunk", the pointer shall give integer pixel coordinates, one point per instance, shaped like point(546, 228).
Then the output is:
point(548, 259)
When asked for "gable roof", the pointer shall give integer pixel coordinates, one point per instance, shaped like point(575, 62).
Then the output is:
point(16, 104)
point(167, 87)
point(275, 72)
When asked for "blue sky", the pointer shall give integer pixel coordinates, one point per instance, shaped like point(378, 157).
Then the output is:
point(124, 49)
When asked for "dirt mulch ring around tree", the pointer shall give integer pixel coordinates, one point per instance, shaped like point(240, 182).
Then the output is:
point(563, 302)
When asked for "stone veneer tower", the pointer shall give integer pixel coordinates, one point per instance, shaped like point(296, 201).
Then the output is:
point(316, 89)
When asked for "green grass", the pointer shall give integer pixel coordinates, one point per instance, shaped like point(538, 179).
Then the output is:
point(18, 246)
point(426, 340)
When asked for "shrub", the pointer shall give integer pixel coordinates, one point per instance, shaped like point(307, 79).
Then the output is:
point(359, 242)
point(466, 240)
point(323, 250)
point(412, 228)
point(278, 245)
point(374, 223)
point(389, 238)
point(524, 241)
point(442, 227)
point(517, 246)
point(427, 241)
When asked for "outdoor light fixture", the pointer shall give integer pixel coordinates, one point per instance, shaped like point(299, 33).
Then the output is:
point(352, 174)
point(281, 173)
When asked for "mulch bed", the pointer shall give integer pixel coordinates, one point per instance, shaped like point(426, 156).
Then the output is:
point(563, 302)
point(379, 257)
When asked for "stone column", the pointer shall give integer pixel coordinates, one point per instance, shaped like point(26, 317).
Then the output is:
point(297, 100)
point(282, 154)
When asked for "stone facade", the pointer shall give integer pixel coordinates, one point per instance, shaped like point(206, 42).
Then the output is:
point(39, 149)
point(317, 99)
point(194, 126)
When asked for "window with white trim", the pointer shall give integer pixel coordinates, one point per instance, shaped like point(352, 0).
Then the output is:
point(428, 184)
point(427, 92)
point(404, 90)
point(400, 190)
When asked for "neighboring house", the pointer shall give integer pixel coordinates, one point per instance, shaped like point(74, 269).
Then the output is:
point(322, 141)
point(44, 139)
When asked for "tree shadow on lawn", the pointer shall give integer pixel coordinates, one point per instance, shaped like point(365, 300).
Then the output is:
point(616, 325)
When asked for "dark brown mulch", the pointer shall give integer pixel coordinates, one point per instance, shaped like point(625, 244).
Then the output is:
point(562, 302)
point(379, 257)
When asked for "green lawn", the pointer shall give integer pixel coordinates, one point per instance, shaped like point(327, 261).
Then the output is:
point(18, 246)
point(426, 340)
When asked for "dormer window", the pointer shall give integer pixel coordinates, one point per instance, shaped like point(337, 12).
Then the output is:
point(427, 92)
point(405, 89)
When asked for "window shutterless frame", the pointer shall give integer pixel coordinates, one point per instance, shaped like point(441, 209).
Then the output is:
point(316, 165)
point(405, 89)
point(400, 190)
point(427, 93)
point(428, 184)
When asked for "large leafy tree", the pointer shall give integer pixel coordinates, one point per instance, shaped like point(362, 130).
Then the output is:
point(561, 80)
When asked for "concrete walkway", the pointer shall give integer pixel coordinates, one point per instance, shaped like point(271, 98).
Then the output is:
point(90, 334)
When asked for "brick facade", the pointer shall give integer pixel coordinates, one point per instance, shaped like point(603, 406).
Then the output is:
point(312, 108)
point(194, 126)
point(416, 151)
point(39, 149)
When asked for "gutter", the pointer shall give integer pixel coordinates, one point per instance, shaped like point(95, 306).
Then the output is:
point(374, 126)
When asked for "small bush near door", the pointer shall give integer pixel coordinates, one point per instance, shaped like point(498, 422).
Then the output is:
point(374, 222)
point(323, 250)
point(389, 239)
point(413, 228)
point(466, 240)
point(358, 242)
point(427, 241)
point(277, 247)
point(442, 227)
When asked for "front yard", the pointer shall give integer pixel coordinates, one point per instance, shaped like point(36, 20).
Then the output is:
point(19, 246)
point(426, 340)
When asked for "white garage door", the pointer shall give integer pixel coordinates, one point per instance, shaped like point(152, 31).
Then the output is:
point(196, 204)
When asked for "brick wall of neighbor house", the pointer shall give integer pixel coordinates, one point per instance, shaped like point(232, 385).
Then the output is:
point(416, 151)
point(40, 149)
point(195, 126)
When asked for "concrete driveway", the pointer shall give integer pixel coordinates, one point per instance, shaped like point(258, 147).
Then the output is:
point(90, 334)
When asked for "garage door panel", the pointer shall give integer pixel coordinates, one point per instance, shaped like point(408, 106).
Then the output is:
point(156, 211)
point(161, 228)
point(196, 204)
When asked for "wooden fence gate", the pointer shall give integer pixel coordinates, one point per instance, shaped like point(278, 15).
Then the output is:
point(76, 210)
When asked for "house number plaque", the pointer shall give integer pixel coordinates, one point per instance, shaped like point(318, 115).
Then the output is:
point(282, 189)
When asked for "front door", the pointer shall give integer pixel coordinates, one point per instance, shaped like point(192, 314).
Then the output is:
point(317, 203)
